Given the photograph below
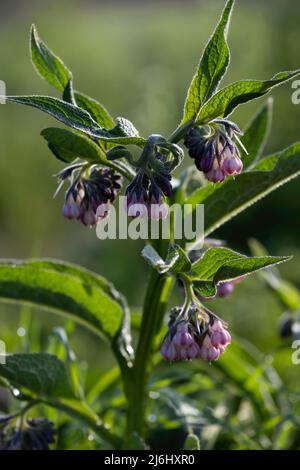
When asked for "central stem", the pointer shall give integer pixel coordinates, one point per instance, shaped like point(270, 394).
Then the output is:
point(153, 311)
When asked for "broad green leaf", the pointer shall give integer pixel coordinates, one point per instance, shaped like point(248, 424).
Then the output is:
point(212, 67)
point(40, 373)
point(70, 145)
point(48, 65)
point(256, 134)
point(176, 261)
point(65, 112)
point(75, 117)
point(222, 264)
point(222, 202)
point(64, 289)
point(95, 109)
point(224, 102)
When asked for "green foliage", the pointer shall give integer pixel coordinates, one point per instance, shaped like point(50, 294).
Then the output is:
point(215, 266)
point(42, 374)
point(211, 69)
point(223, 202)
point(125, 128)
point(222, 264)
point(47, 64)
point(176, 261)
point(223, 103)
point(68, 145)
point(95, 109)
point(64, 289)
point(62, 111)
point(192, 442)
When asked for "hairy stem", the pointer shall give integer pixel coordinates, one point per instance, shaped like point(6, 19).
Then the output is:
point(154, 308)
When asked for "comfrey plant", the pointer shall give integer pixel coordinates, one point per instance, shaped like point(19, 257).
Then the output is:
point(227, 174)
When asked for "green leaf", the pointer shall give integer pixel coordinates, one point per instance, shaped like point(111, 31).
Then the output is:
point(65, 112)
point(65, 289)
point(75, 117)
point(223, 202)
point(47, 64)
point(69, 145)
point(97, 111)
point(124, 128)
point(256, 134)
point(40, 373)
point(211, 69)
point(222, 264)
point(224, 102)
point(176, 261)
point(124, 133)
point(192, 442)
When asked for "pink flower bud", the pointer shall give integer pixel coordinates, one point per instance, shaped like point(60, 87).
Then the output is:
point(225, 289)
point(232, 166)
point(165, 348)
point(88, 218)
point(219, 335)
point(193, 351)
point(70, 211)
point(215, 175)
point(212, 354)
point(172, 352)
point(182, 337)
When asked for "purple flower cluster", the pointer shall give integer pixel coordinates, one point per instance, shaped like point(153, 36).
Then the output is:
point(145, 195)
point(33, 434)
point(180, 346)
point(87, 193)
point(214, 150)
point(215, 342)
point(185, 341)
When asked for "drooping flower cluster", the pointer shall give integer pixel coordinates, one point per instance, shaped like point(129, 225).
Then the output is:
point(88, 192)
point(145, 194)
point(214, 150)
point(198, 335)
point(32, 434)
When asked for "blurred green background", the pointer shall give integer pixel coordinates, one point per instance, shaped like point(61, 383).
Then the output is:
point(137, 58)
